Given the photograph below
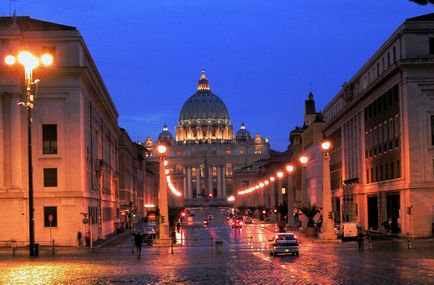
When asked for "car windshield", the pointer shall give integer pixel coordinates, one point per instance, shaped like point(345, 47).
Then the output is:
point(285, 237)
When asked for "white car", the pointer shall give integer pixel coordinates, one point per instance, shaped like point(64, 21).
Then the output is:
point(347, 230)
point(284, 243)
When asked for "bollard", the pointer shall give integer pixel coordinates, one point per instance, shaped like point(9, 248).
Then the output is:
point(408, 241)
point(251, 239)
point(52, 247)
point(171, 247)
point(369, 242)
point(14, 248)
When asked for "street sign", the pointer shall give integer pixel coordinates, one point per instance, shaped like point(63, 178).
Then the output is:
point(152, 216)
point(85, 221)
point(50, 218)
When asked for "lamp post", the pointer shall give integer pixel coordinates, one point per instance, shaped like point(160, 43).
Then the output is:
point(303, 159)
point(29, 62)
point(163, 204)
point(290, 169)
point(327, 232)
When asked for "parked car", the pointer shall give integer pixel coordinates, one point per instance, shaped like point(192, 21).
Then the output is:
point(205, 222)
point(151, 231)
point(210, 218)
point(237, 223)
point(347, 231)
point(284, 243)
point(248, 220)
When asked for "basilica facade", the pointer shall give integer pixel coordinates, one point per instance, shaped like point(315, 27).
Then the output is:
point(204, 153)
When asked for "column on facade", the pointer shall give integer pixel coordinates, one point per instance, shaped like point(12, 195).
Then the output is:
point(198, 188)
point(189, 192)
point(2, 155)
point(279, 193)
point(184, 181)
point(210, 177)
point(224, 194)
point(219, 181)
point(16, 143)
point(273, 193)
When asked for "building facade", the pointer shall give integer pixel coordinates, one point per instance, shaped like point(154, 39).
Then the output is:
point(382, 127)
point(205, 152)
point(74, 139)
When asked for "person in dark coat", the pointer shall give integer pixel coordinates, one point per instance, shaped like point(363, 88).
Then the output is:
point(138, 240)
point(79, 236)
point(360, 240)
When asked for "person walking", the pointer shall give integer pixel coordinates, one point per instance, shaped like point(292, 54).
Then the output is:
point(138, 240)
point(79, 236)
point(360, 240)
point(87, 238)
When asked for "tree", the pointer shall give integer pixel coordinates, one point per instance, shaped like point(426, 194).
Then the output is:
point(309, 211)
point(422, 2)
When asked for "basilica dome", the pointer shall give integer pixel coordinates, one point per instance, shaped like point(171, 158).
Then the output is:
point(204, 106)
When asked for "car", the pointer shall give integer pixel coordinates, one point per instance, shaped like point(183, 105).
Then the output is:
point(347, 230)
point(210, 218)
point(286, 243)
point(237, 223)
point(205, 222)
point(151, 231)
point(248, 220)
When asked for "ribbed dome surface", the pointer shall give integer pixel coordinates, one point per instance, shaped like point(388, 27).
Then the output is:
point(165, 135)
point(204, 105)
point(243, 134)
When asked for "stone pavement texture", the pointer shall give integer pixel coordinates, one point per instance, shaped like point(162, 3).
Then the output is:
point(317, 264)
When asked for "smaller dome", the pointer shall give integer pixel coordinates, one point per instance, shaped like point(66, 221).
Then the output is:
point(243, 134)
point(165, 135)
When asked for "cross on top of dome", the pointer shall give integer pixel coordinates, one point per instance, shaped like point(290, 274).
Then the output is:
point(203, 82)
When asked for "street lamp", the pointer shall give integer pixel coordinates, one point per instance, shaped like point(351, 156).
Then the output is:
point(303, 159)
point(29, 62)
point(290, 169)
point(162, 197)
point(327, 232)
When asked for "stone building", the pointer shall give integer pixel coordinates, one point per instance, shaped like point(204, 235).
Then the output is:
point(74, 138)
point(205, 152)
point(382, 127)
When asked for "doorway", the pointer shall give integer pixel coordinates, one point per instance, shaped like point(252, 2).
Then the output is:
point(373, 212)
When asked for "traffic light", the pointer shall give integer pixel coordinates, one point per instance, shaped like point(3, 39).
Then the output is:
point(330, 215)
point(409, 210)
point(163, 219)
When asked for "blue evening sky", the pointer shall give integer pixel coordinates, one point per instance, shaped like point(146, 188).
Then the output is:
point(260, 56)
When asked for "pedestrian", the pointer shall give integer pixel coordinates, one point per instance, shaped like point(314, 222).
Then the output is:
point(87, 238)
point(79, 236)
point(138, 240)
point(360, 239)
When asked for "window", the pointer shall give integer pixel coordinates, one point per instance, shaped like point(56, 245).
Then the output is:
point(214, 171)
point(283, 191)
point(229, 170)
point(50, 217)
point(228, 151)
point(50, 177)
point(49, 139)
point(179, 168)
point(431, 46)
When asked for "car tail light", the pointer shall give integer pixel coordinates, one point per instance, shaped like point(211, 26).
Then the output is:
point(241, 223)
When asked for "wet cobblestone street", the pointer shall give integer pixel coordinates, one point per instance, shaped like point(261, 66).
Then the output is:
point(317, 264)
